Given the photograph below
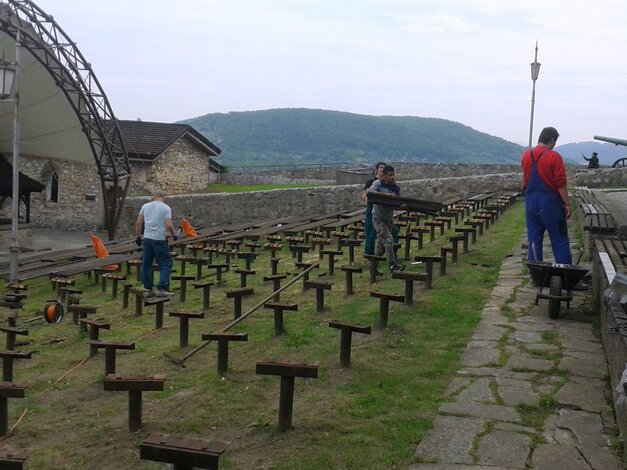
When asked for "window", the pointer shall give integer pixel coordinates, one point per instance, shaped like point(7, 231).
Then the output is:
point(54, 187)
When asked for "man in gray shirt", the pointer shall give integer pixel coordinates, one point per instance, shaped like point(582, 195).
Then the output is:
point(383, 217)
point(156, 216)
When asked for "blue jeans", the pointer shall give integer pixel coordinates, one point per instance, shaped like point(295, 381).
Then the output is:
point(159, 250)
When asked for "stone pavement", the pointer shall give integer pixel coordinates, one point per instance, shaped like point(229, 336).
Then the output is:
point(532, 391)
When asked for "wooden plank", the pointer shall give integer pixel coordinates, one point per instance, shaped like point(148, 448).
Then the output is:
point(287, 369)
point(152, 383)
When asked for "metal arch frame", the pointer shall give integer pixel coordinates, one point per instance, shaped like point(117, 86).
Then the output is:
point(52, 47)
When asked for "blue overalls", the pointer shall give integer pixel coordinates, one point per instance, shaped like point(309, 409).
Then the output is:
point(544, 210)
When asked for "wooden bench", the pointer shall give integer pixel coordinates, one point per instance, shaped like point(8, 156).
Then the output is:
point(219, 267)
point(351, 243)
point(276, 284)
point(428, 261)
point(183, 287)
point(331, 254)
point(13, 459)
point(409, 278)
point(384, 305)
point(287, 370)
point(183, 453)
point(158, 303)
point(237, 295)
point(298, 250)
point(596, 217)
point(110, 351)
point(115, 279)
point(223, 340)
point(279, 308)
point(349, 271)
point(8, 390)
point(249, 257)
point(184, 318)
point(135, 386)
point(612, 255)
point(243, 275)
point(206, 292)
point(320, 287)
point(94, 327)
point(12, 332)
point(7, 363)
point(347, 330)
point(80, 312)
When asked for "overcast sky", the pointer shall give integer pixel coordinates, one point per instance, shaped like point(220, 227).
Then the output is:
point(463, 60)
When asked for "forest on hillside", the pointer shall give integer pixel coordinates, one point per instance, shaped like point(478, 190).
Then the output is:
point(305, 136)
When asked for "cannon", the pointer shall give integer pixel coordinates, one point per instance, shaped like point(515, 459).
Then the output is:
point(621, 162)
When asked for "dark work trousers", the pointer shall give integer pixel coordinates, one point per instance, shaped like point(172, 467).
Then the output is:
point(544, 210)
point(159, 250)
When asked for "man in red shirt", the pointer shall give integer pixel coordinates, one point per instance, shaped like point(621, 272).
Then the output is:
point(546, 198)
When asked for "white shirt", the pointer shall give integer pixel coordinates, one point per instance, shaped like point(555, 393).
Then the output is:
point(155, 214)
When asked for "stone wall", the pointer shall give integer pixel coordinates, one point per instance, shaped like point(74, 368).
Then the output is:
point(218, 209)
point(602, 178)
point(344, 175)
point(182, 168)
point(73, 210)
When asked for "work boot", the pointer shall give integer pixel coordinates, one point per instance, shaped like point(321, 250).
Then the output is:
point(397, 268)
point(164, 293)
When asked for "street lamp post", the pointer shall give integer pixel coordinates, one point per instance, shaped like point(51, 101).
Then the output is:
point(535, 71)
point(9, 79)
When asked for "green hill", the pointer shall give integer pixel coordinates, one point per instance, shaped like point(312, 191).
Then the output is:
point(298, 136)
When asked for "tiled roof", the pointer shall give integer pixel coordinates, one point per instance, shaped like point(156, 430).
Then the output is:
point(148, 140)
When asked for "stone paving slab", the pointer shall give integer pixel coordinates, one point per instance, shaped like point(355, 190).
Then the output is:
point(584, 364)
point(478, 391)
point(580, 428)
point(450, 440)
point(583, 393)
point(526, 362)
point(516, 392)
point(480, 410)
point(480, 353)
point(558, 457)
point(504, 448)
point(495, 372)
point(601, 458)
point(450, 466)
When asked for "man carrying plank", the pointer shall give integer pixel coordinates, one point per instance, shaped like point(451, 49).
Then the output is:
point(383, 217)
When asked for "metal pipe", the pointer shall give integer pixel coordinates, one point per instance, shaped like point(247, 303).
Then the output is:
point(15, 249)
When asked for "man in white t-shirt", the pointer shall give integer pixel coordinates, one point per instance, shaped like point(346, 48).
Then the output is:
point(156, 217)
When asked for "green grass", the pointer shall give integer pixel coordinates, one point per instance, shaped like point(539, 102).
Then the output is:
point(371, 415)
point(243, 188)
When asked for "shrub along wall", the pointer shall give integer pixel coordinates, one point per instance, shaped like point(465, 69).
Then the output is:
point(205, 210)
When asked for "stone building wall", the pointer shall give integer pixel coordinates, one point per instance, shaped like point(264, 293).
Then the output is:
point(73, 210)
point(205, 210)
point(182, 168)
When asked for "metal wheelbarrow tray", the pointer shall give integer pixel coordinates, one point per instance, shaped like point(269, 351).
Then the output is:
point(556, 277)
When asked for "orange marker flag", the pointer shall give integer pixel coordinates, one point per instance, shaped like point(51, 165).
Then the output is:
point(188, 229)
point(101, 251)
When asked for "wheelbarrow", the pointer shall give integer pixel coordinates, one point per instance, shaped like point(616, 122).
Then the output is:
point(556, 277)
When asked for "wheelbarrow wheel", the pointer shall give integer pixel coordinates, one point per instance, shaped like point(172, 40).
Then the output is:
point(556, 290)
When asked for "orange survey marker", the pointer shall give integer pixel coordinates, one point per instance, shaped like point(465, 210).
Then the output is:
point(188, 229)
point(101, 251)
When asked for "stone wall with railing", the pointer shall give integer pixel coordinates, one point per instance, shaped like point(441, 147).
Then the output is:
point(205, 210)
